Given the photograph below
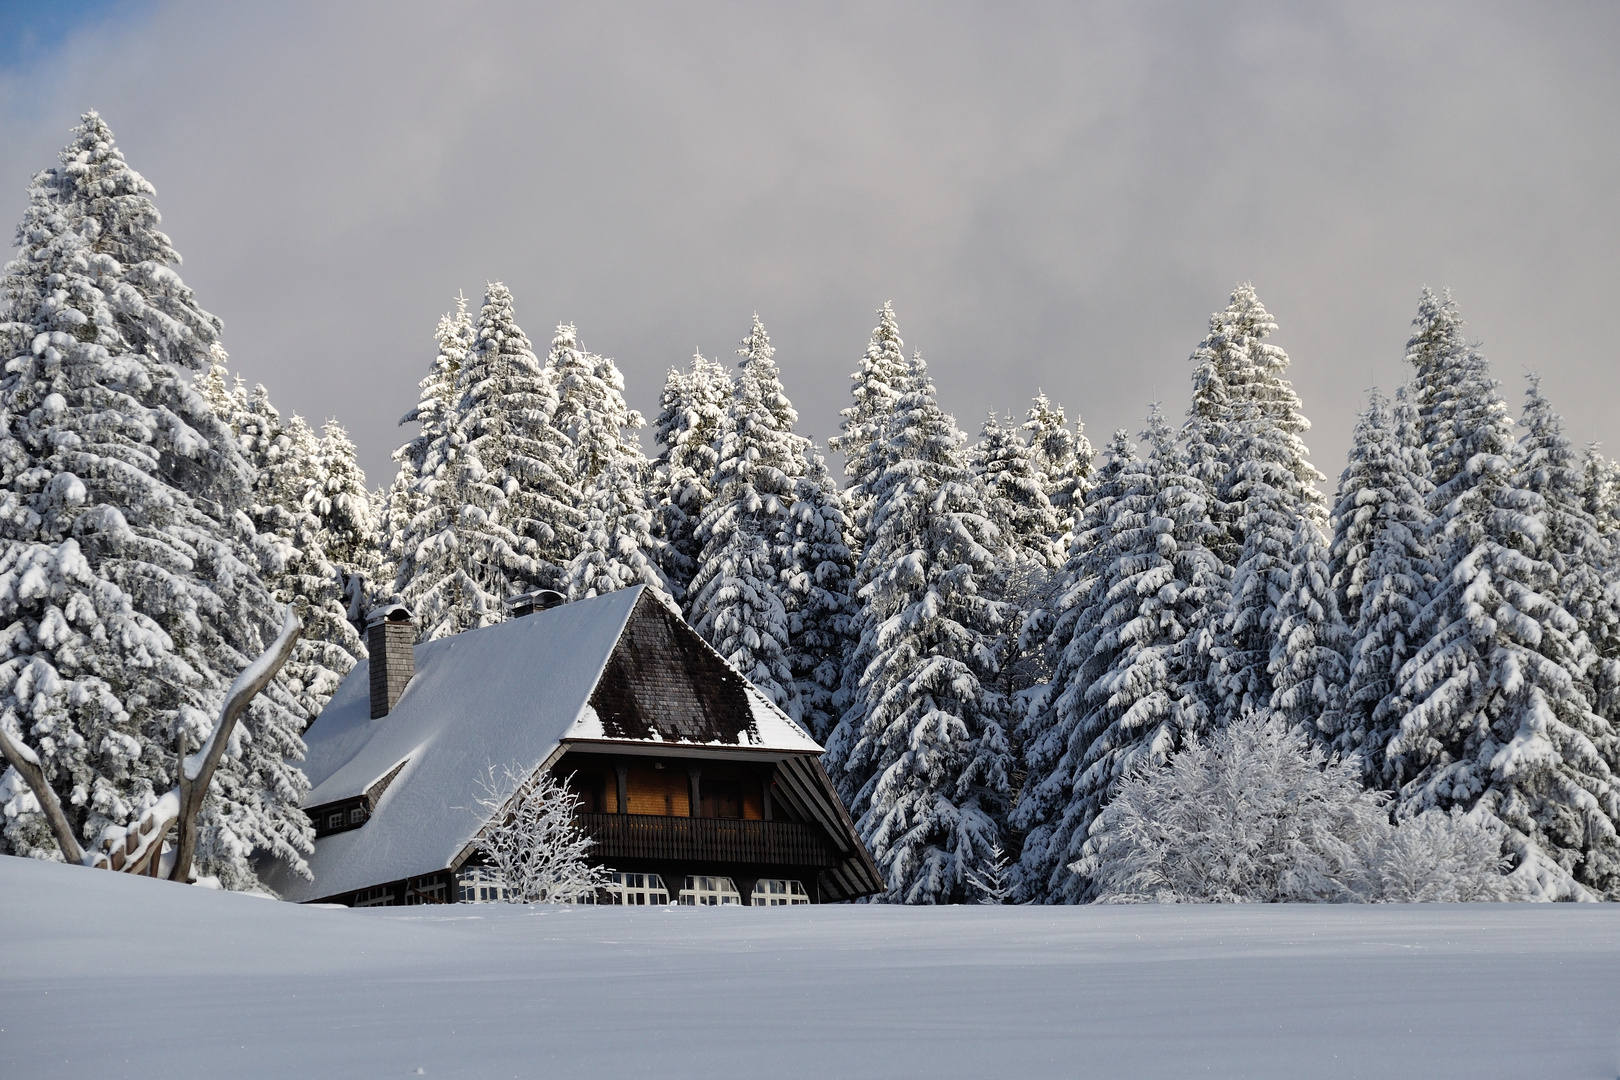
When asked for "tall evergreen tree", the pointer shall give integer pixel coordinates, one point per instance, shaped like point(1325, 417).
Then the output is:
point(691, 410)
point(1062, 457)
point(1053, 742)
point(739, 596)
point(1015, 489)
point(408, 496)
point(1142, 692)
point(864, 441)
point(1499, 723)
point(493, 492)
point(1243, 440)
point(1381, 577)
point(820, 579)
point(1308, 668)
point(128, 576)
point(923, 750)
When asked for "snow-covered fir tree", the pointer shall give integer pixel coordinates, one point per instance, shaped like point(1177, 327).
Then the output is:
point(864, 440)
point(1142, 693)
point(922, 750)
point(1499, 724)
point(1062, 457)
point(128, 576)
point(739, 600)
point(344, 508)
point(1053, 743)
point(1243, 441)
point(820, 581)
point(407, 496)
point(498, 529)
point(618, 545)
point(1381, 577)
point(690, 413)
point(1014, 486)
point(1308, 663)
point(1574, 544)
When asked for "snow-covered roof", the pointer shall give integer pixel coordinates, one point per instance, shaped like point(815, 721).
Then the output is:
point(505, 695)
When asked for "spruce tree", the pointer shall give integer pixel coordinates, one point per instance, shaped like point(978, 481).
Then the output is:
point(495, 501)
point(1062, 457)
point(820, 580)
point(1014, 488)
point(407, 497)
point(1142, 693)
point(739, 600)
point(923, 749)
point(1499, 723)
point(864, 441)
point(1381, 577)
point(128, 573)
point(1053, 744)
point(691, 410)
point(1308, 667)
point(1243, 441)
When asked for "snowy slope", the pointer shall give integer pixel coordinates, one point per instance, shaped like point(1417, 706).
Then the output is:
point(857, 991)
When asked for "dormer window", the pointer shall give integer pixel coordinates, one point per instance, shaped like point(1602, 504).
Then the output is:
point(339, 817)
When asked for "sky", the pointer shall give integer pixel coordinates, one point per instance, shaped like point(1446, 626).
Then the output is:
point(1054, 196)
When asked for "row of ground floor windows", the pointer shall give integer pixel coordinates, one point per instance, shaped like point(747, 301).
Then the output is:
point(483, 885)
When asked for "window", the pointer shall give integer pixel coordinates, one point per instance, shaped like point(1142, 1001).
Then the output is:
point(701, 890)
point(357, 816)
point(636, 889)
point(778, 892)
point(381, 896)
point(334, 821)
point(425, 891)
point(480, 885)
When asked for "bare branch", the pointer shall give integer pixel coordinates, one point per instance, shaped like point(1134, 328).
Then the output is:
point(26, 762)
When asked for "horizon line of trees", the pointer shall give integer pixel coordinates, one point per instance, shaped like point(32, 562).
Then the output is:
point(990, 639)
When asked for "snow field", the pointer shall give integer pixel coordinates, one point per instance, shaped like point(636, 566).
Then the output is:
point(110, 976)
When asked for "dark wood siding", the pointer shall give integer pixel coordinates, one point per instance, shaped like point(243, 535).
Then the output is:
point(707, 840)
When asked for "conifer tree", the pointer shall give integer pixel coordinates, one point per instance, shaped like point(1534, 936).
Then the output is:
point(864, 442)
point(1016, 494)
point(128, 574)
point(1141, 693)
point(1053, 745)
point(819, 578)
point(1062, 457)
point(1381, 576)
point(1499, 723)
point(692, 408)
point(739, 600)
point(344, 508)
point(1308, 664)
point(923, 750)
point(1243, 441)
point(493, 488)
point(1574, 544)
point(407, 498)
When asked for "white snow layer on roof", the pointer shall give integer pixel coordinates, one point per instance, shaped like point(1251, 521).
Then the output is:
point(504, 695)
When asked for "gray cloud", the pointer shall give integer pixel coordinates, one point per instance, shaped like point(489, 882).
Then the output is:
point(1053, 196)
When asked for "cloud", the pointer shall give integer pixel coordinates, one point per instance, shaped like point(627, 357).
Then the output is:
point(1053, 196)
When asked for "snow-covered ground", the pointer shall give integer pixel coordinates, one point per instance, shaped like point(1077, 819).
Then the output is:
point(108, 976)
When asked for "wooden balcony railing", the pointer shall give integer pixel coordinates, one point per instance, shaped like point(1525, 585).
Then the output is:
point(651, 836)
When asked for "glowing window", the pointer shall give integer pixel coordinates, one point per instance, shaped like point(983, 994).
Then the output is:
point(778, 892)
point(702, 890)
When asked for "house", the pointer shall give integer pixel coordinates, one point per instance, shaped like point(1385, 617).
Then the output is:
point(693, 785)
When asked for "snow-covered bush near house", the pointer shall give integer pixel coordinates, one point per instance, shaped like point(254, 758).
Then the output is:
point(1257, 814)
point(534, 843)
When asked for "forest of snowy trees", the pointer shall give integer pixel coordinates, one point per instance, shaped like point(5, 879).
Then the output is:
point(1022, 653)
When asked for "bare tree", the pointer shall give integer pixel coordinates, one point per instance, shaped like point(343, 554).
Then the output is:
point(533, 841)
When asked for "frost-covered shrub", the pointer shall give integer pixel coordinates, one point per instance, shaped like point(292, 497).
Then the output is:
point(534, 842)
point(1258, 814)
point(1436, 856)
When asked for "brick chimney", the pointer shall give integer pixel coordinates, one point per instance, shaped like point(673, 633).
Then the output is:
point(391, 640)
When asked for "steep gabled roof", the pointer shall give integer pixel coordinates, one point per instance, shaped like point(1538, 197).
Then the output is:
point(510, 695)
